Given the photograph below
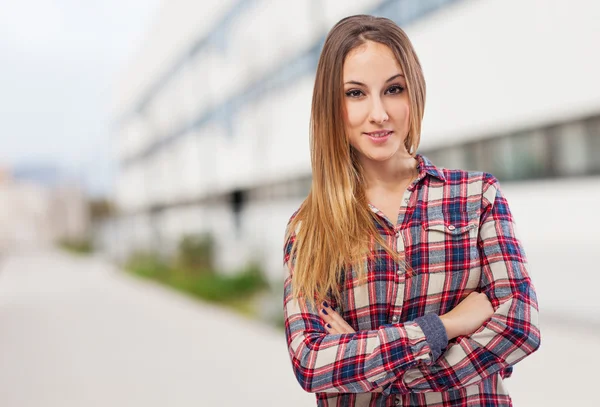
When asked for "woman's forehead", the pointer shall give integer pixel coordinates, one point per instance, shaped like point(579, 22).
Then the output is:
point(371, 60)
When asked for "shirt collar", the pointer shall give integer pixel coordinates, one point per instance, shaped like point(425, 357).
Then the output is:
point(425, 166)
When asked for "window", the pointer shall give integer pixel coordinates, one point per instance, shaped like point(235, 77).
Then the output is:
point(593, 141)
point(529, 156)
point(571, 149)
point(559, 150)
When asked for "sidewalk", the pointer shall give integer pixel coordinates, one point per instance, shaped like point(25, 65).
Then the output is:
point(77, 332)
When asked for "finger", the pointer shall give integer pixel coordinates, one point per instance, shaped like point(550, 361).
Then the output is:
point(337, 321)
point(333, 327)
point(465, 296)
point(330, 323)
point(326, 315)
point(330, 329)
point(330, 316)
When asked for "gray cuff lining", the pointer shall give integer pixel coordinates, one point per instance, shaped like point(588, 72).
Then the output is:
point(435, 333)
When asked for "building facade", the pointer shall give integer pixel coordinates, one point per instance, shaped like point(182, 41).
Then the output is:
point(211, 116)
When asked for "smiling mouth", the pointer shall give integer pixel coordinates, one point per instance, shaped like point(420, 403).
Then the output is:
point(379, 134)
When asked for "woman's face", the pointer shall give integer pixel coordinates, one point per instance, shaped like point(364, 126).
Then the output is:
point(376, 100)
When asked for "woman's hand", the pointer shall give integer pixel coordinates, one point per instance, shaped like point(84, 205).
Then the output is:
point(335, 324)
point(468, 316)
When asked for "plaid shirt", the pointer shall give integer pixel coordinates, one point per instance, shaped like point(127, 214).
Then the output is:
point(457, 236)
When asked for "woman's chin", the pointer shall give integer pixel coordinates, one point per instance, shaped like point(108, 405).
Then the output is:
point(379, 156)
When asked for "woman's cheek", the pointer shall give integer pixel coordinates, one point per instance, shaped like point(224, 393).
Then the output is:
point(354, 115)
point(405, 109)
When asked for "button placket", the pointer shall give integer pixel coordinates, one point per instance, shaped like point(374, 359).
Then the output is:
point(400, 281)
point(399, 249)
point(400, 271)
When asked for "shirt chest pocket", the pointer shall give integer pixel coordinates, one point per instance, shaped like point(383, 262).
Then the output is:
point(444, 259)
point(439, 245)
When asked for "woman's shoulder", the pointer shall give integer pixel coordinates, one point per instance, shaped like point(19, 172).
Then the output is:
point(293, 218)
point(290, 235)
point(293, 222)
point(455, 187)
point(476, 182)
point(456, 177)
point(468, 176)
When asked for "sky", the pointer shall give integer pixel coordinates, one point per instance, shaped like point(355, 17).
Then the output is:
point(59, 62)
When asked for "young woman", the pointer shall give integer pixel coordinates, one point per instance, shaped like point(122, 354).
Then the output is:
point(407, 285)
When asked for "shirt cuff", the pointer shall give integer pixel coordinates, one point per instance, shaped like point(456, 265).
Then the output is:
point(435, 333)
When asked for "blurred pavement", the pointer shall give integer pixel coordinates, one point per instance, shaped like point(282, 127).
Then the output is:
point(77, 332)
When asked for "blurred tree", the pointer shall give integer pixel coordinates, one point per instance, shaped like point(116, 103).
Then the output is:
point(101, 208)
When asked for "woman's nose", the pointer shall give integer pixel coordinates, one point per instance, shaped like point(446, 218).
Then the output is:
point(378, 113)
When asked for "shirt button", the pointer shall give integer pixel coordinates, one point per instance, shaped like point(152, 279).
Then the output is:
point(451, 227)
point(395, 319)
point(397, 401)
point(406, 200)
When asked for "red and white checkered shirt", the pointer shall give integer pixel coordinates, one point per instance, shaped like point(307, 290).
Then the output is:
point(457, 236)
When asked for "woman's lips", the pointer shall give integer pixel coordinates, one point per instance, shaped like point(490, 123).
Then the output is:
point(379, 136)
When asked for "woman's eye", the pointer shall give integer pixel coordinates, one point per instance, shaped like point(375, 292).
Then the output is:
point(354, 93)
point(395, 89)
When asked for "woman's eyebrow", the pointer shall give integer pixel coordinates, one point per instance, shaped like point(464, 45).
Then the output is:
point(362, 84)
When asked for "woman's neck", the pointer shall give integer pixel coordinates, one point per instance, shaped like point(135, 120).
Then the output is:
point(390, 175)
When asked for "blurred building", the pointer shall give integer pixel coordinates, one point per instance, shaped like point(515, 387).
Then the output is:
point(212, 115)
point(37, 209)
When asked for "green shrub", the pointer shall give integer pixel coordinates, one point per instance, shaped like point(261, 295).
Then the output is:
point(195, 254)
point(209, 286)
point(148, 264)
point(79, 246)
point(226, 288)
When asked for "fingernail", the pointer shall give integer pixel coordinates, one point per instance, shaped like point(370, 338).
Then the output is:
point(324, 312)
point(325, 304)
point(329, 326)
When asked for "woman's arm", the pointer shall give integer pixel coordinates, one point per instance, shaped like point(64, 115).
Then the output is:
point(512, 333)
point(356, 362)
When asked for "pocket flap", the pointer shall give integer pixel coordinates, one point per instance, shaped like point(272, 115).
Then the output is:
point(445, 227)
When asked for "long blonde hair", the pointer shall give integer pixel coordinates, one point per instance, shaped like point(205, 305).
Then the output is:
point(334, 226)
